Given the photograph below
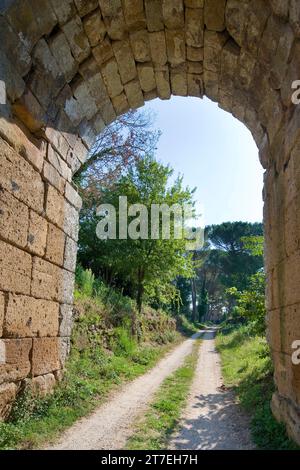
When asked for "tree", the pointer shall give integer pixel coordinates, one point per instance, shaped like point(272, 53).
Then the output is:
point(129, 138)
point(145, 268)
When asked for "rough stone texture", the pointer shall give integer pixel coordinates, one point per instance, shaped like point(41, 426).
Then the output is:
point(15, 269)
point(55, 245)
point(45, 356)
point(70, 67)
point(28, 317)
point(7, 396)
point(42, 385)
point(37, 234)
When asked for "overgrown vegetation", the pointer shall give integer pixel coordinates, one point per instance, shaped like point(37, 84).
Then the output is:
point(104, 354)
point(161, 419)
point(247, 367)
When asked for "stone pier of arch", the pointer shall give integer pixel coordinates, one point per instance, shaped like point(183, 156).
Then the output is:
point(68, 69)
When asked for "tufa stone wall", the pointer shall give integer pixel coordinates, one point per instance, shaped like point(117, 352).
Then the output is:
point(67, 70)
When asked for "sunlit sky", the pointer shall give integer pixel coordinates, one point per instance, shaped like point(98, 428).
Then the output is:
point(215, 153)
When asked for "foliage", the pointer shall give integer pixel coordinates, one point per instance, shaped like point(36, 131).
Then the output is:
point(145, 269)
point(120, 145)
point(250, 303)
point(164, 412)
point(247, 367)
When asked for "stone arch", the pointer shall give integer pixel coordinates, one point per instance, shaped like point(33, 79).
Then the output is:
point(67, 70)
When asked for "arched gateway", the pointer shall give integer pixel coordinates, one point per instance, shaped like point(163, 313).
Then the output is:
point(67, 69)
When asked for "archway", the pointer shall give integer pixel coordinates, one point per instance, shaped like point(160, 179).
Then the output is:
point(67, 70)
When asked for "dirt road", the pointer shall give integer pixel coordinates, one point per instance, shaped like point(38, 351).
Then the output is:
point(111, 425)
point(212, 419)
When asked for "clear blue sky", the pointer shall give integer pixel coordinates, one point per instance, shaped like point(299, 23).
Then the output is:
point(216, 153)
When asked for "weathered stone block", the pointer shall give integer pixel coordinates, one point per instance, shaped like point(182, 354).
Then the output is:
point(154, 15)
point(55, 206)
point(14, 46)
point(179, 81)
point(86, 6)
point(15, 269)
point(29, 111)
point(46, 78)
point(112, 13)
point(64, 350)
point(213, 45)
point(146, 76)
point(125, 60)
point(23, 21)
point(58, 141)
point(195, 54)
point(66, 287)
point(73, 196)
point(59, 164)
point(94, 27)
point(111, 77)
point(194, 26)
point(45, 356)
point(42, 385)
point(45, 280)
point(70, 255)
point(2, 311)
point(17, 359)
point(134, 14)
point(80, 151)
point(87, 133)
point(214, 14)
point(195, 85)
point(33, 150)
point(71, 221)
point(194, 3)
point(103, 52)
point(158, 48)
point(98, 123)
point(64, 10)
point(37, 234)
point(65, 320)
point(7, 395)
point(28, 317)
point(295, 16)
point(173, 13)
point(236, 19)
point(162, 78)
point(85, 101)
point(59, 47)
point(139, 41)
point(14, 216)
point(176, 51)
point(120, 104)
point(53, 177)
point(77, 39)
point(280, 8)
point(14, 84)
point(134, 94)
point(55, 245)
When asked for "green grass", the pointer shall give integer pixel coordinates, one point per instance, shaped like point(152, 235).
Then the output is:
point(90, 375)
point(247, 367)
point(153, 432)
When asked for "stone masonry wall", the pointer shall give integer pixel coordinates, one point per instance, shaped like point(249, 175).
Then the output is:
point(38, 234)
point(67, 69)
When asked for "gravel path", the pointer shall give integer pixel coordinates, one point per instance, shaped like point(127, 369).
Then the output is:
point(110, 426)
point(212, 418)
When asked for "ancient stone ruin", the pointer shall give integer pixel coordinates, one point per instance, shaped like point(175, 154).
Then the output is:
point(67, 69)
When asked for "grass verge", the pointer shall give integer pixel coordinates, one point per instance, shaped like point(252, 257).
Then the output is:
point(247, 367)
point(90, 376)
point(153, 432)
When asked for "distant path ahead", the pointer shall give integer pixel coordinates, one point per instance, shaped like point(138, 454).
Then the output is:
point(111, 424)
point(212, 418)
